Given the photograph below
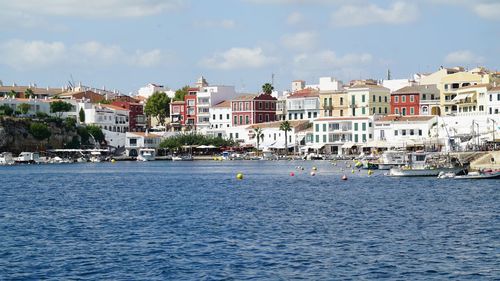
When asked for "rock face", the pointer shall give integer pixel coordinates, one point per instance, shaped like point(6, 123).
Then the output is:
point(15, 136)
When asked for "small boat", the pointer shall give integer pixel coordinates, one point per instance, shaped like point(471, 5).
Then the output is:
point(146, 154)
point(423, 164)
point(480, 175)
point(390, 159)
point(188, 157)
point(95, 157)
point(28, 158)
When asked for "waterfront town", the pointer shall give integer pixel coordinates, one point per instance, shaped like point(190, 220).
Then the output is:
point(449, 110)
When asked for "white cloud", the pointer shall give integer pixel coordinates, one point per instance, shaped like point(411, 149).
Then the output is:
point(357, 15)
point(237, 58)
point(294, 18)
point(91, 8)
point(21, 55)
point(300, 41)
point(209, 24)
point(463, 57)
point(489, 11)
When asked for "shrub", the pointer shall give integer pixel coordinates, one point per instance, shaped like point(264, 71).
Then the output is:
point(40, 131)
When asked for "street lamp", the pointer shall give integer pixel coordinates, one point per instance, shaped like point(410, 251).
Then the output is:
point(477, 133)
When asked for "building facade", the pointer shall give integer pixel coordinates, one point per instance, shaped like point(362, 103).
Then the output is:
point(333, 103)
point(368, 99)
point(303, 105)
point(253, 109)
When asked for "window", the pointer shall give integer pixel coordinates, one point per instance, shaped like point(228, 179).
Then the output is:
point(267, 105)
point(363, 126)
point(267, 117)
point(301, 116)
point(341, 101)
point(396, 99)
point(412, 99)
point(419, 132)
point(412, 132)
point(213, 116)
point(317, 138)
point(260, 117)
point(385, 110)
point(364, 137)
point(309, 114)
point(370, 124)
point(403, 111)
point(355, 138)
point(241, 106)
point(424, 96)
point(380, 110)
point(317, 127)
point(432, 97)
point(403, 99)
point(341, 112)
point(353, 100)
point(374, 98)
point(324, 127)
point(260, 105)
point(385, 99)
point(315, 114)
point(247, 119)
point(241, 119)
point(481, 108)
point(362, 110)
point(247, 105)
point(395, 132)
point(325, 101)
point(403, 132)
point(379, 98)
point(295, 116)
point(324, 138)
point(227, 116)
point(236, 135)
point(412, 111)
point(355, 126)
point(334, 126)
point(362, 98)
point(220, 116)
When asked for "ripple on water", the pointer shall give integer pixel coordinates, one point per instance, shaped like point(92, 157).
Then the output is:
point(185, 221)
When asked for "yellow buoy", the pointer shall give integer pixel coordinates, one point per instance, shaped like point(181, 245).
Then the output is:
point(352, 171)
point(314, 168)
point(113, 160)
point(370, 172)
point(239, 176)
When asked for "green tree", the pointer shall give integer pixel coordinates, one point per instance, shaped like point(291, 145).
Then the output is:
point(29, 93)
point(258, 134)
point(180, 93)
point(12, 94)
point(39, 131)
point(60, 107)
point(81, 114)
point(70, 123)
point(6, 110)
point(24, 108)
point(96, 133)
point(158, 106)
point(267, 89)
point(286, 127)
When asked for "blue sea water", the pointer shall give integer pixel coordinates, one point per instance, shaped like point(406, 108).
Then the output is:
point(196, 221)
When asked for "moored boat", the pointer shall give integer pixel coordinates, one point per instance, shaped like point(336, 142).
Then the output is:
point(6, 158)
point(424, 164)
point(146, 154)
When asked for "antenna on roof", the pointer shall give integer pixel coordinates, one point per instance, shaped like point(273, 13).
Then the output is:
point(388, 74)
point(272, 79)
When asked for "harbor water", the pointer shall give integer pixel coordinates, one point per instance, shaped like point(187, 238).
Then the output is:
point(196, 221)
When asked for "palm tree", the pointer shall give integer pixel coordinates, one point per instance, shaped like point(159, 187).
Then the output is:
point(13, 94)
point(258, 135)
point(286, 127)
point(29, 93)
point(267, 89)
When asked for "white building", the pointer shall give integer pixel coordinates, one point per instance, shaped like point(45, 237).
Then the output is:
point(368, 99)
point(396, 84)
point(106, 116)
point(151, 88)
point(493, 99)
point(207, 97)
point(405, 131)
point(220, 119)
point(39, 105)
point(342, 135)
point(303, 105)
point(134, 141)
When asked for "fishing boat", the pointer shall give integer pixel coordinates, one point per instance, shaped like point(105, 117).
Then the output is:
point(390, 159)
point(425, 164)
point(146, 154)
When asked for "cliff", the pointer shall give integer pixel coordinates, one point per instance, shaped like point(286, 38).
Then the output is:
point(16, 136)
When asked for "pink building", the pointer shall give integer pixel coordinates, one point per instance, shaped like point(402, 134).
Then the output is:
point(253, 109)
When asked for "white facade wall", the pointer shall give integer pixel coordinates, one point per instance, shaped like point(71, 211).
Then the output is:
point(402, 131)
point(105, 118)
point(208, 97)
point(150, 89)
point(220, 120)
point(335, 132)
point(40, 105)
point(307, 108)
point(396, 84)
point(493, 102)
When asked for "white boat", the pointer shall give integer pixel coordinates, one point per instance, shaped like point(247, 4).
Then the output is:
point(188, 157)
point(390, 159)
point(423, 164)
point(6, 158)
point(480, 175)
point(95, 157)
point(146, 154)
point(28, 157)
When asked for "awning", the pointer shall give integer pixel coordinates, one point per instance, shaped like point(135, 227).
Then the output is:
point(205, 146)
point(317, 146)
point(348, 145)
point(461, 97)
point(377, 143)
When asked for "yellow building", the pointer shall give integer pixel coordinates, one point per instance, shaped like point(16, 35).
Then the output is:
point(333, 103)
point(450, 86)
point(368, 99)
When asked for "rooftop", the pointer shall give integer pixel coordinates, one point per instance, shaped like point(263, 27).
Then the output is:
point(415, 89)
point(341, 118)
point(305, 93)
point(406, 118)
point(369, 86)
point(223, 104)
point(245, 97)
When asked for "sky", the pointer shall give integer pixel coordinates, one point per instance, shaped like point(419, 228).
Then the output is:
point(126, 44)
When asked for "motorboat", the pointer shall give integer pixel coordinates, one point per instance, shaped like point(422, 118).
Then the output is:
point(95, 157)
point(187, 157)
point(28, 158)
point(6, 158)
point(488, 174)
point(146, 154)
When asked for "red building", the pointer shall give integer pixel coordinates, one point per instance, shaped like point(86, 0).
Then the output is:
point(253, 109)
point(405, 101)
point(137, 120)
point(183, 113)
